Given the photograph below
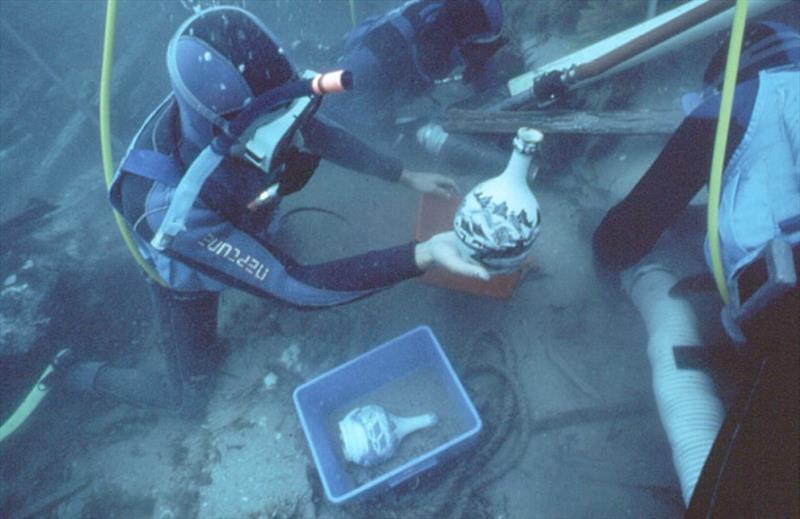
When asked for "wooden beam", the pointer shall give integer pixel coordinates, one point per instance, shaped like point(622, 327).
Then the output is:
point(87, 112)
point(641, 122)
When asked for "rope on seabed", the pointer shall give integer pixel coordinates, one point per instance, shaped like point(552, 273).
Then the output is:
point(453, 490)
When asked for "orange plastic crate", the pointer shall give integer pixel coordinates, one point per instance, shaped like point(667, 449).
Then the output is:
point(435, 215)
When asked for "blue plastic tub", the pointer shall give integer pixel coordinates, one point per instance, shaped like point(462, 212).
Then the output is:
point(407, 375)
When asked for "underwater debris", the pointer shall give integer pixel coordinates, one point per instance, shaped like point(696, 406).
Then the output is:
point(42, 506)
point(21, 322)
point(112, 501)
point(582, 416)
point(270, 381)
point(570, 373)
point(290, 358)
point(35, 215)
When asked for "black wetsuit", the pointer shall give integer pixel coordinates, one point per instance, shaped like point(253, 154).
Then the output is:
point(631, 228)
point(187, 317)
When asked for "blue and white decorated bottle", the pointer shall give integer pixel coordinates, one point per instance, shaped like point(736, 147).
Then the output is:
point(370, 434)
point(498, 220)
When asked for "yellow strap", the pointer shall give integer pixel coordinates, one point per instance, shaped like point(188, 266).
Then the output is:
point(105, 135)
point(721, 143)
point(353, 12)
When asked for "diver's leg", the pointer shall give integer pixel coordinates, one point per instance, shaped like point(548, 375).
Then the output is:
point(131, 385)
point(188, 340)
point(188, 329)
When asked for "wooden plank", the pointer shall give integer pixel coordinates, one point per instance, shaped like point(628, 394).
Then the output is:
point(85, 111)
point(641, 122)
point(40, 507)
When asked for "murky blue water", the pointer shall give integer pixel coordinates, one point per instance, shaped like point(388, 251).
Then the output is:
point(558, 372)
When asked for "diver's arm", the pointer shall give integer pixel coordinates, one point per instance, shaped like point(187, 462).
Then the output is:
point(632, 227)
point(337, 145)
point(334, 143)
point(218, 249)
point(214, 246)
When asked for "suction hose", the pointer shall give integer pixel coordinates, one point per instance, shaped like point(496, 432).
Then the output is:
point(689, 409)
point(461, 151)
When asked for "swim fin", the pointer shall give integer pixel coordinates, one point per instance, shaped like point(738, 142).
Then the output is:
point(34, 397)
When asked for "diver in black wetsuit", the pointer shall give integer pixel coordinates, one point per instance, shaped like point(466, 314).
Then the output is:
point(398, 56)
point(752, 470)
point(200, 187)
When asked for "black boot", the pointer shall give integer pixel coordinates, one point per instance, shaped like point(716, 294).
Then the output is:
point(131, 385)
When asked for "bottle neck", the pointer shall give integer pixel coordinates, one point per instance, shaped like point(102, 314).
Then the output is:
point(518, 165)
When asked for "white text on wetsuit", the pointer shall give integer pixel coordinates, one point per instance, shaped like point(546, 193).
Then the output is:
point(233, 254)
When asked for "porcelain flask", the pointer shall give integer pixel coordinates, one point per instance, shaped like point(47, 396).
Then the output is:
point(498, 220)
point(370, 434)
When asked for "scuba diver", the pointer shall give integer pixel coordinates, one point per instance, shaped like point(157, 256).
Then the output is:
point(400, 55)
point(752, 469)
point(200, 187)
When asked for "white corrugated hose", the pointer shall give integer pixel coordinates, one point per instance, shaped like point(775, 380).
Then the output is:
point(690, 410)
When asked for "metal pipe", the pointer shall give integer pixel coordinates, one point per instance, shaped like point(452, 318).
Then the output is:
point(647, 40)
point(52, 74)
point(656, 36)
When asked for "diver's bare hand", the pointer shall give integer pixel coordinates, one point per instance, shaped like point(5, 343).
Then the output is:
point(434, 183)
point(441, 250)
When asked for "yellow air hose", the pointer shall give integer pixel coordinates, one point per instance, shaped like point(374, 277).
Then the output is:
point(41, 388)
point(721, 143)
point(105, 135)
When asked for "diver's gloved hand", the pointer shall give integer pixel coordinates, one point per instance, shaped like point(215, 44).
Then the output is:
point(441, 250)
point(434, 183)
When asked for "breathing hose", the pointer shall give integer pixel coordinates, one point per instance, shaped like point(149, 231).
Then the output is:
point(105, 136)
point(721, 143)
